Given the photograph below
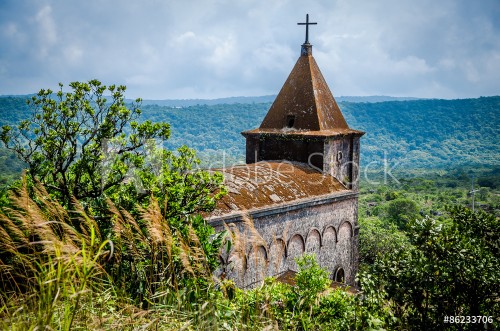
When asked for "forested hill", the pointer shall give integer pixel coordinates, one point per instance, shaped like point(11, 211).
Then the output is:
point(416, 133)
point(261, 99)
point(419, 133)
point(429, 133)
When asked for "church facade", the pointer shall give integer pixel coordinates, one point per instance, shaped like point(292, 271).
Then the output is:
point(298, 191)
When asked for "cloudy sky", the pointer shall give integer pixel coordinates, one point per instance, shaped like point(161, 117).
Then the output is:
point(172, 49)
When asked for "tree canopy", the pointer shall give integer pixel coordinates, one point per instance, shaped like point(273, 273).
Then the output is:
point(89, 146)
point(64, 143)
point(450, 269)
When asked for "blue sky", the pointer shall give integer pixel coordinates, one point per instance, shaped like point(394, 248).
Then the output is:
point(219, 48)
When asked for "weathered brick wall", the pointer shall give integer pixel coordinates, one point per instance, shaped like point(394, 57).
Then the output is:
point(279, 235)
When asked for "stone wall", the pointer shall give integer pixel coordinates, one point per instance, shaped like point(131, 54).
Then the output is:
point(341, 160)
point(269, 240)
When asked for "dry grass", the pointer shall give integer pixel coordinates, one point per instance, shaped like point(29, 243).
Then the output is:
point(57, 272)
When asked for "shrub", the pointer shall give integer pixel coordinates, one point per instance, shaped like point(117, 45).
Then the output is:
point(402, 210)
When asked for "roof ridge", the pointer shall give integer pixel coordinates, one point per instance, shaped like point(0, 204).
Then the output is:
point(310, 58)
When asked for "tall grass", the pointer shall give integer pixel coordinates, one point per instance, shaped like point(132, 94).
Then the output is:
point(49, 270)
point(58, 272)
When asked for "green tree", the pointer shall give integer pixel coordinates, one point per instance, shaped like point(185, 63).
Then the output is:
point(401, 210)
point(450, 269)
point(311, 279)
point(378, 238)
point(87, 146)
point(65, 142)
point(316, 307)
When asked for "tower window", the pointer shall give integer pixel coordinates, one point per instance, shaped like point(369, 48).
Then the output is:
point(339, 156)
point(290, 121)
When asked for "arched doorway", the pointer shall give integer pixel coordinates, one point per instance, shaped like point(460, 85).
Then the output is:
point(339, 275)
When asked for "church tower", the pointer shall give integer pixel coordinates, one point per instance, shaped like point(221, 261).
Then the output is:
point(298, 192)
point(305, 124)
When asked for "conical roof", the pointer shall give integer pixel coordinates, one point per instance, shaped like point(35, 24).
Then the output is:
point(305, 102)
point(305, 105)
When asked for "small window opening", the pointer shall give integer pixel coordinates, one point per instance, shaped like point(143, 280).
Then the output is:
point(339, 275)
point(290, 121)
point(339, 156)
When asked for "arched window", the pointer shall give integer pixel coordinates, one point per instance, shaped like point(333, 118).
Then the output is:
point(295, 247)
point(339, 275)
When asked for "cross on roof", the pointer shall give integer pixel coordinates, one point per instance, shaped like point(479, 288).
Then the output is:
point(307, 27)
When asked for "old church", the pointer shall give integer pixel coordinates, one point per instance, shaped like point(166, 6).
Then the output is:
point(298, 191)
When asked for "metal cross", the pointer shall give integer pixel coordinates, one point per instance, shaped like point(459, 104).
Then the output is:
point(307, 27)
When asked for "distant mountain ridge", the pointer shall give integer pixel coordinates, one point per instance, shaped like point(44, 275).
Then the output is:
point(375, 98)
point(263, 99)
point(210, 102)
point(243, 100)
point(429, 133)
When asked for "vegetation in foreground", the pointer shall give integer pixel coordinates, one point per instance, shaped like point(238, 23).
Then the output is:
point(58, 271)
point(83, 246)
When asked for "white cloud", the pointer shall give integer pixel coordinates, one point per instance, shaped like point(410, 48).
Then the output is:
point(188, 36)
point(223, 54)
point(471, 72)
point(47, 33)
point(175, 49)
point(73, 54)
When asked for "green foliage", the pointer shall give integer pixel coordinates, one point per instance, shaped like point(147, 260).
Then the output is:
point(490, 179)
point(312, 305)
point(392, 195)
point(413, 273)
point(401, 211)
point(83, 146)
point(373, 303)
point(57, 276)
point(64, 142)
point(310, 280)
point(334, 311)
point(450, 269)
point(86, 146)
point(292, 307)
point(183, 189)
point(10, 167)
point(377, 238)
point(418, 133)
point(49, 270)
point(432, 191)
point(57, 268)
point(428, 133)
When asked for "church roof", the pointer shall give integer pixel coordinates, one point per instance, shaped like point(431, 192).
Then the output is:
point(305, 105)
point(269, 184)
